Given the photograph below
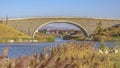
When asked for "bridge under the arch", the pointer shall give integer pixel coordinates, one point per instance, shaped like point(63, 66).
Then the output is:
point(88, 25)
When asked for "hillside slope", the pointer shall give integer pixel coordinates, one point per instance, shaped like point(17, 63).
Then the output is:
point(9, 32)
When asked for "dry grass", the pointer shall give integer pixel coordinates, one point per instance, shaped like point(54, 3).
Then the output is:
point(72, 55)
point(9, 32)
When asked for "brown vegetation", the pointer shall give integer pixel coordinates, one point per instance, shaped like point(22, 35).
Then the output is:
point(107, 34)
point(72, 55)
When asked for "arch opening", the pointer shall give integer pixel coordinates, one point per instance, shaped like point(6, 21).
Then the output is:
point(82, 29)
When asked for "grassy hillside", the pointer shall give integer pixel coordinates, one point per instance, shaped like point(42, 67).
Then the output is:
point(7, 32)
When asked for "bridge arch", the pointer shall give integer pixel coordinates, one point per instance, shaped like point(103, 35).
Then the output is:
point(84, 31)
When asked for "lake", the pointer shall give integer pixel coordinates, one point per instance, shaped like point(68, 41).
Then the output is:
point(17, 49)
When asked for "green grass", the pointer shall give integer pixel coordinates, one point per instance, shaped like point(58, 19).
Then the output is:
point(44, 37)
point(116, 37)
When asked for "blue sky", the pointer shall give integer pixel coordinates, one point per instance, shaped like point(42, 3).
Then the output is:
point(40, 8)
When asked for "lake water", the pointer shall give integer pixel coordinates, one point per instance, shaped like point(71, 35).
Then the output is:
point(17, 49)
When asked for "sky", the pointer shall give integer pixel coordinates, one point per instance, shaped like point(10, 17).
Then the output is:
point(45, 8)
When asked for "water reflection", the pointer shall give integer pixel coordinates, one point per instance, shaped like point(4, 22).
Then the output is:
point(60, 39)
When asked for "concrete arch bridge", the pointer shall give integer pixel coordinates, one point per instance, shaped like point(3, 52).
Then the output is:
point(30, 25)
